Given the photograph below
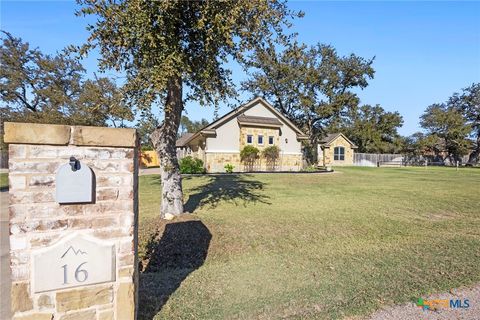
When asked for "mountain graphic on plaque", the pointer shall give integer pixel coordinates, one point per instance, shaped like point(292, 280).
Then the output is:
point(75, 183)
point(76, 260)
point(72, 249)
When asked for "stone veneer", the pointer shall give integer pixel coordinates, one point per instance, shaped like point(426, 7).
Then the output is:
point(255, 132)
point(216, 161)
point(328, 153)
point(36, 221)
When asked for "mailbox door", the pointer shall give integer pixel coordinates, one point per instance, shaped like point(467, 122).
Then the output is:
point(74, 186)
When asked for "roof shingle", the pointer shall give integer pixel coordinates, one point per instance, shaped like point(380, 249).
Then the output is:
point(332, 136)
point(183, 139)
point(259, 120)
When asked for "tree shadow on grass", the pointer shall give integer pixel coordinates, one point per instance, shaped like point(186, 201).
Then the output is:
point(236, 188)
point(174, 250)
point(182, 249)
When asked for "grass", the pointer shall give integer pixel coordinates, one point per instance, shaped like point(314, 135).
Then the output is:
point(308, 246)
point(3, 181)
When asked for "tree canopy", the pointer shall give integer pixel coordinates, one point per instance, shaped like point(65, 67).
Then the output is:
point(373, 129)
point(172, 51)
point(192, 126)
point(310, 85)
point(155, 41)
point(449, 131)
point(468, 104)
point(35, 87)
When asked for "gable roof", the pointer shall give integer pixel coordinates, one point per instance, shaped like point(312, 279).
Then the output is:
point(238, 112)
point(185, 137)
point(327, 141)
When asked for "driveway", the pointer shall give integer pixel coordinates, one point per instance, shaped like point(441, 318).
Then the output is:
point(147, 171)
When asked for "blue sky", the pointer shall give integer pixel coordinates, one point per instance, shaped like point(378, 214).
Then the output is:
point(424, 51)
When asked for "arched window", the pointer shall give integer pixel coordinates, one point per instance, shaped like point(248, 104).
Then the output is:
point(339, 153)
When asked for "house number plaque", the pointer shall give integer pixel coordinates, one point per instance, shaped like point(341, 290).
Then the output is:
point(76, 260)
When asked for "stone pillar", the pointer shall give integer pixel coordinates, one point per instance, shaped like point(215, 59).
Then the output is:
point(72, 260)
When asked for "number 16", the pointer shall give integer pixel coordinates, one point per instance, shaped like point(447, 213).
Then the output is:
point(80, 274)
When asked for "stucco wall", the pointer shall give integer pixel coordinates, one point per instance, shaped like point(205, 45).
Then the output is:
point(259, 110)
point(227, 139)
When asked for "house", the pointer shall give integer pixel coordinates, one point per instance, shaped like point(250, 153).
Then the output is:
point(255, 123)
point(336, 150)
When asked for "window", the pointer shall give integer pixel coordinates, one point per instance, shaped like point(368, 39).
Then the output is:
point(260, 139)
point(270, 140)
point(339, 153)
point(249, 139)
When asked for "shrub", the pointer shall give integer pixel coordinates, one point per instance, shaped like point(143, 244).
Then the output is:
point(310, 168)
point(271, 154)
point(146, 148)
point(248, 155)
point(191, 165)
point(229, 168)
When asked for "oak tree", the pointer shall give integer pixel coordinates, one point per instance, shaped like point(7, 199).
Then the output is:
point(373, 129)
point(447, 124)
point(191, 126)
point(311, 86)
point(173, 51)
point(468, 103)
point(36, 87)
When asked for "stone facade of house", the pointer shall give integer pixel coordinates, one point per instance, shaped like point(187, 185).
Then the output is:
point(38, 222)
point(216, 162)
point(327, 151)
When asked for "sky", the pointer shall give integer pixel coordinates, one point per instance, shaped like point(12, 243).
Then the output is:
point(424, 51)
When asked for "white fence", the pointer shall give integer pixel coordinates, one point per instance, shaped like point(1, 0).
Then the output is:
point(375, 159)
point(384, 160)
point(182, 153)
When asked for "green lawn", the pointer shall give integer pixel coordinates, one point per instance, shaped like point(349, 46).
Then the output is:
point(309, 246)
point(3, 181)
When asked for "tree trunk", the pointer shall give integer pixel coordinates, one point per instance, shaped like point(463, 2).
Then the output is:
point(314, 145)
point(312, 152)
point(163, 139)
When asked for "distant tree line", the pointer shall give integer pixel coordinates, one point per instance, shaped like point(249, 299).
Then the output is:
point(37, 87)
point(451, 129)
point(191, 126)
point(315, 87)
point(312, 86)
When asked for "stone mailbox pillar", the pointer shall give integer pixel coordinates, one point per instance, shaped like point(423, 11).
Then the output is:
point(73, 221)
